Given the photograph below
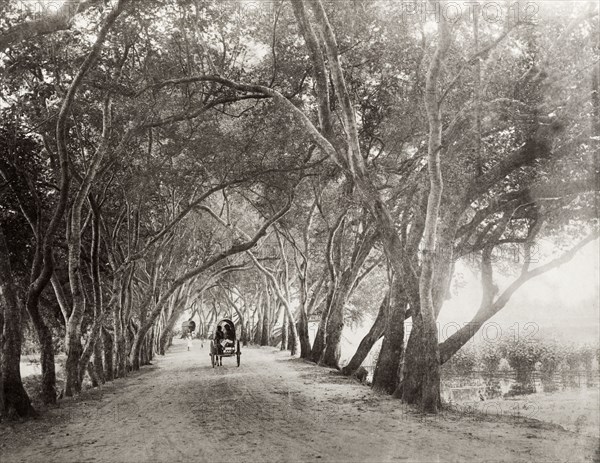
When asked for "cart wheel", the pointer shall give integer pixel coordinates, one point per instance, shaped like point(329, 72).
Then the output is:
point(238, 359)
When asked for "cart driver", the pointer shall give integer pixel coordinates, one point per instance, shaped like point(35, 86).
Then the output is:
point(229, 336)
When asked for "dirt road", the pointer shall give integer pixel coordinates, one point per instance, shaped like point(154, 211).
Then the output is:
point(271, 408)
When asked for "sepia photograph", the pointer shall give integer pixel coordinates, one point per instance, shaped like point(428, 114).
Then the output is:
point(299, 231)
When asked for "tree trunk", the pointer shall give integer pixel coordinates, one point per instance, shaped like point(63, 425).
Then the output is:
point(244, 334)
point(149, 341)
point(94, 345)
point(156, 337)
point(98, 364)
point(291, 337)
point(259, 324)
point(266, 325)
point(319, 342)
point(144, 357)
point(167, 332)
point(284, 331)
point(335, 325)
point(92, 372)
point(2, 355)
point(163, 341)
point(345, 285)
point(118, 343)
point(303, 334)
point(48, 391)
point(367, 343)
point(267, 317)
point(136, 347)
point(74, 350)
point(426, 363)
point(129, 337)
point(39, 279)
point(15, 399)
point(387, 370)
point(108, 345)
point(88, 350)
point(413, 388)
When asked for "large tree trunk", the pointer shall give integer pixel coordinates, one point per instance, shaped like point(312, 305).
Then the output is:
point(119, 329)
point(15, 399)
point(387, 370)
point(244, 333)
point(333, 332)
point(48, 391)
point(118, 343)
point(1, 356)
point(36, 287)
point(163, 342)
point(427, 363)
point(157, 332)
point(74, 350)
point(89, 348)
point(149, 343)
point(107, 344)
point(319, 343)
point(92, 372)
point(410, 389)
point(303, 334)
point(367, 343)
point(421, 383)
point(137, 346)
point(144, 357)
point(275, 315)
point(146, 353)
point(293, 337)
point(98, 364)
point(167, 331)
point(292, 341)
point(129, 333)
point(94, 346)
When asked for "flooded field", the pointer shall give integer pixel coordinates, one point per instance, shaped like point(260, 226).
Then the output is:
point(571, 400)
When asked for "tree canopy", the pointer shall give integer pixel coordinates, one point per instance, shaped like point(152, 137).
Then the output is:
point(283, 163)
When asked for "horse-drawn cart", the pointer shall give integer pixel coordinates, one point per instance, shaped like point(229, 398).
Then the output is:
point(226, 346)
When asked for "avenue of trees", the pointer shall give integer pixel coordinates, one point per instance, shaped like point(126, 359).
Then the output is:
point(283, 163)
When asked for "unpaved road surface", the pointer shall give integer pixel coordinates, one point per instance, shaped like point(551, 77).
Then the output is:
point(271, 408)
